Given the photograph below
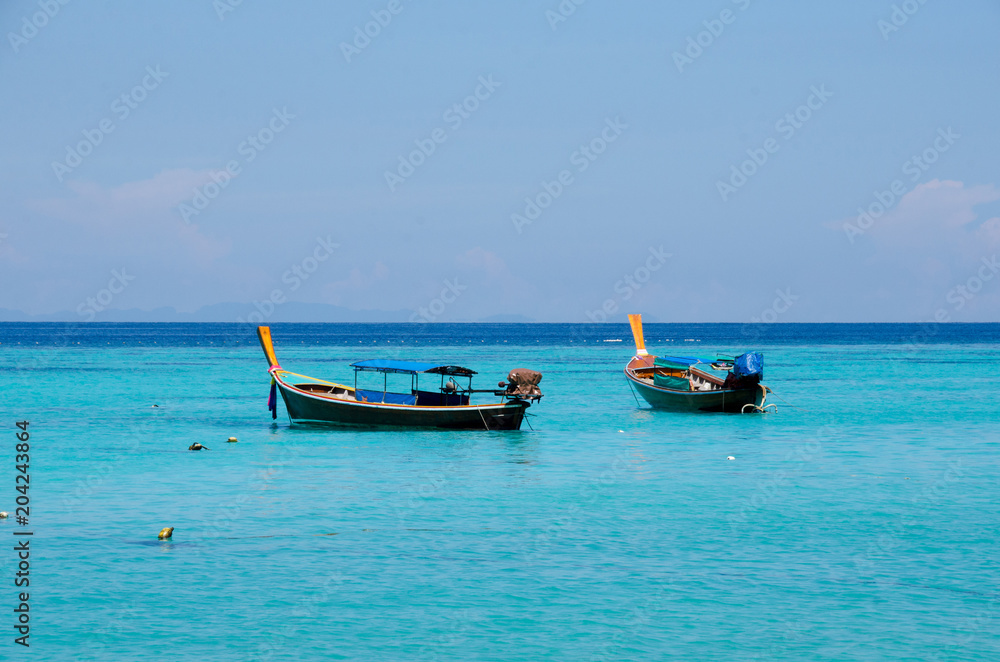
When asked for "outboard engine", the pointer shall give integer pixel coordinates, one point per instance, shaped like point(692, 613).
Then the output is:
point(523, 383)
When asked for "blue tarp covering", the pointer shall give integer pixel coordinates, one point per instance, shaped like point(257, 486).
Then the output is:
point(367, 396)
point(749, 365)
point(400, 399)
point(362, 395)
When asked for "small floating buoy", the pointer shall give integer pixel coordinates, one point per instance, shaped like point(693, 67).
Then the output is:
point(621, 430)
point(156, 405)
point(197, 447)
point(166, 533)
point(232, 440)
point(730, 458)
point(4, 514)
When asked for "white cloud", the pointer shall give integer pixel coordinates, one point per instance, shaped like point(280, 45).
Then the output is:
point(938, 220)
point(137, 218)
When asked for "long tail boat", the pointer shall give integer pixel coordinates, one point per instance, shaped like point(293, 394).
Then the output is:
point(685, 383)
point(315, 401)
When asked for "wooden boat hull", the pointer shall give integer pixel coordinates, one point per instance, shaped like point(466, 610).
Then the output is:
point(313, 409)
point(723, 401)
point(642, 370)
point(659, 397)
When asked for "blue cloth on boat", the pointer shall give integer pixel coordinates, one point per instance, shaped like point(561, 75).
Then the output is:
point(400, 399)
point(362, 395)
point(750, 364)
point(272, 400)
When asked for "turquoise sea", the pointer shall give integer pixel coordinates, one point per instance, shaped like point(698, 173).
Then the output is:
point(861, 521)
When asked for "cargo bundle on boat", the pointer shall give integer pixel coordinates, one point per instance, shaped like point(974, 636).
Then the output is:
point(438, 404)
point(686, 383)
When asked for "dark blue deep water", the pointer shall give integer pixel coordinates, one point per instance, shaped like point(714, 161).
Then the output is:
point(861, 521)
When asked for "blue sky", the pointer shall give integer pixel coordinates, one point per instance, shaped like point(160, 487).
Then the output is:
point(647, 127)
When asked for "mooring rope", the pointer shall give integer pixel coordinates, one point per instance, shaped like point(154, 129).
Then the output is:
point(762, 408)
point(633, 392)
point(771, 391)
point(526, 415)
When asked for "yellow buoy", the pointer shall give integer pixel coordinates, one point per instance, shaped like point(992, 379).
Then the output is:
point(166, 533)
point(231, 440)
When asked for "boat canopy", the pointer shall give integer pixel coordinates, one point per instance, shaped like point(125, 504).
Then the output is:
point(411, 367)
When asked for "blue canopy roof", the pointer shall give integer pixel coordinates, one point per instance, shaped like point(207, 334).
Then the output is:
point(410, 367)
